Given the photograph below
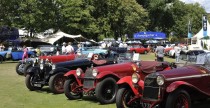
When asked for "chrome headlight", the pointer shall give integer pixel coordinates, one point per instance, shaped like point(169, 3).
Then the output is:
point(135, 78)
point(78, 71)
point(160, 80)
point(53, 66)
point(95, 72)
point(41, 61)
point(47, 61)
point(41, 66)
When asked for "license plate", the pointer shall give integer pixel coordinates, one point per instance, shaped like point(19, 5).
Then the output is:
point(37, 85)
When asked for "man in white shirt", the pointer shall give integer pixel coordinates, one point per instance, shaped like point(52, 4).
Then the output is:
point(63, 50)
point(69, 49)
point(177, 50)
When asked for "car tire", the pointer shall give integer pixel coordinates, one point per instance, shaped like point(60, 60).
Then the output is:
point(29, 84)
point(18, 68)
point(178, 97)
point(106, 91)
point(124, 95)
point(69, 83)
point(26, 67)
point(56, 83)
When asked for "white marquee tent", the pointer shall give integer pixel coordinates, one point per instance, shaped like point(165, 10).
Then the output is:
point(58, 35)
point(198, 37)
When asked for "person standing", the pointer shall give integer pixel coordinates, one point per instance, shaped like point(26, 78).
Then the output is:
point(63, 49)
point(25, 52)
point(69, 49)
point(159, 52)
point(1, 47)
point(177, 50)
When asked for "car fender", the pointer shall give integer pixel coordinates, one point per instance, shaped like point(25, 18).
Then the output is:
point(128, 81)
point(59, 69)
point(173, 86)
point(106, 73)
point(32, 70)
point(72, 73)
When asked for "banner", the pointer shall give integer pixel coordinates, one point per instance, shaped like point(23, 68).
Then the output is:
point(189, 30)
point(204, 23)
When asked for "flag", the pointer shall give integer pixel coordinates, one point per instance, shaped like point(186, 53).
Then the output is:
point(204, 23)
point(189, 30)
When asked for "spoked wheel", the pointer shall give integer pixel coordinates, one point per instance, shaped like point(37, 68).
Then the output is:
point(19, 68)
point(178, 99)
point(124, 99)
point(70, 89)
point(56, 83)
point(106, 91)
point(29, 83)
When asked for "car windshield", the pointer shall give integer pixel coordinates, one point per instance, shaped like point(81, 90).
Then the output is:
point(46, 48)
point(200, 59)
point(125, 57)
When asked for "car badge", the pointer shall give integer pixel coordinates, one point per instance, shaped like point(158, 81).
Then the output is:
point(148, 82)
point(203, 71)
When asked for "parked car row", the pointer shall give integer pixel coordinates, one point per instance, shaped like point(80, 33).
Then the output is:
point(122, 78)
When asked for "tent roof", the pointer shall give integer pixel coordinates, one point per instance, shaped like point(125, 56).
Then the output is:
point(199, 35)
point(58, 35)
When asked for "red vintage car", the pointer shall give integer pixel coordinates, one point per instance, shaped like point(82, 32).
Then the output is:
point(167, 49)
point(130, 87)
point(139, 49)
point(177, 88)
point(99, 81)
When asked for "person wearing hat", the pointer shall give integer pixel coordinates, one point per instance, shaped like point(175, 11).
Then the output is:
point(63, 49)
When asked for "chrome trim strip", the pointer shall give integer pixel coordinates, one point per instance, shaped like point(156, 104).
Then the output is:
point(187, 77)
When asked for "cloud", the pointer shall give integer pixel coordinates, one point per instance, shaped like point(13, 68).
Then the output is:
point(203, 3)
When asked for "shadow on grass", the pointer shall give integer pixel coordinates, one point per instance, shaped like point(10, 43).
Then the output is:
point(44, 90)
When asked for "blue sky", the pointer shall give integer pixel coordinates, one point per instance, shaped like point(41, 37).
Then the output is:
point(203, 3)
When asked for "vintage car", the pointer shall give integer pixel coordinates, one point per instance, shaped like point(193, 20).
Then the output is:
point(47, 49)
point(99, 81)
point(130, 87)
point(178, 88)
point(168, 48)
point(53, 74)
point(23, 66)
point(14, 55)
point(191, 50)
point(139, 49)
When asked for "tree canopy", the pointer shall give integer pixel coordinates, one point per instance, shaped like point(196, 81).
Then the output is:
point(98, 19)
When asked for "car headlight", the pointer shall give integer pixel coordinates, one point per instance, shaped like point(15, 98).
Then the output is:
point(41, 61)
point(95, 72)
point(47, 61)
point(41, 66)
point(53, 66)
point(79, 71)
point(160, 80)
point(135, 78)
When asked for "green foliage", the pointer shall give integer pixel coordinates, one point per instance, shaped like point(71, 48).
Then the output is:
point(107, 18)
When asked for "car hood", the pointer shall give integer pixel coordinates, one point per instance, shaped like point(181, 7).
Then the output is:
point(121, 67)
point(183, 72)
point(72, 63)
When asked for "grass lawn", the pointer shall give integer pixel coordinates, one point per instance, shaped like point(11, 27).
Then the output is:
point(14, 94)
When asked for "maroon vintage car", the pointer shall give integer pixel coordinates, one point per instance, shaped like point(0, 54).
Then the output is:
point(130, 87)
point(99, 81)
point(139, 49)
point(177, 88)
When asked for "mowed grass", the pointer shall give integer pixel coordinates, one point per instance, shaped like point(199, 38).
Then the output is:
point(14, 94)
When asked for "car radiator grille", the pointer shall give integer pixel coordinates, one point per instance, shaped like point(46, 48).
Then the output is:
point(88, 79)
point(151, 89)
